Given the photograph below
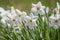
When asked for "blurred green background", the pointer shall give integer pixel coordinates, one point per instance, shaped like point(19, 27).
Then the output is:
point(25, 5)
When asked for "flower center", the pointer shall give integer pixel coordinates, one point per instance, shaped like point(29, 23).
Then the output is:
point(13, 20)
point(55, 21)
point(38, 8)
point(30, 20)
point(19, 15)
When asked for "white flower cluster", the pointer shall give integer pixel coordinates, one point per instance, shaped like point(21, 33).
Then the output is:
point(55, 17)
point(15, 17)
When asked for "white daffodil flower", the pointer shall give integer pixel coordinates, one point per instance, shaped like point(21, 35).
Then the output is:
point(4, 20)
point(54, 21)
point(31, 22)
point(38, 9)
point(13, 22)
point(21, 15)
point(2, 9)
point(4, 17)
point(13, 11)
point(58, 8)
point(4, 14)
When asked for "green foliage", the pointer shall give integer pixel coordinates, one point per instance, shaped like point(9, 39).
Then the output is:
point(41, 32)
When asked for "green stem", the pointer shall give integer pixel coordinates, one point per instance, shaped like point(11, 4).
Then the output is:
point(47, 34)
point(58, 34)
